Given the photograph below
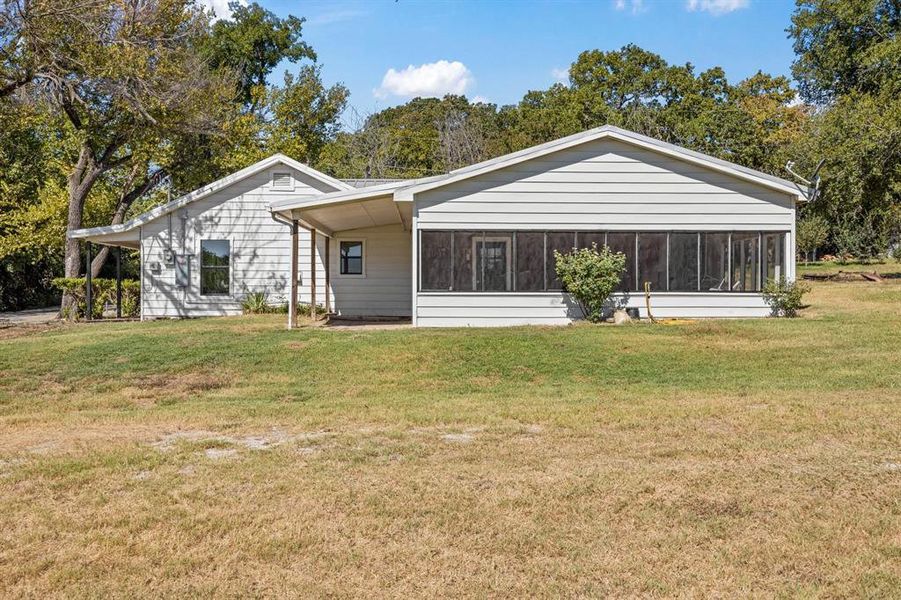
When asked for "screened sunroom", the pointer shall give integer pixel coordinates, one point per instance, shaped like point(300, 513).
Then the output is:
point(675, 261)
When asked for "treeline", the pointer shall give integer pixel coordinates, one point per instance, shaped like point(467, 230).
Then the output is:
point(113, 107)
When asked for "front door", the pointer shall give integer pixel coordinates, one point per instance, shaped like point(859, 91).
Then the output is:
point(492, 264)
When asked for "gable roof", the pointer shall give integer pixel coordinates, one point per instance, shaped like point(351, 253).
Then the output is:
point(407, 193)
point(207, 190)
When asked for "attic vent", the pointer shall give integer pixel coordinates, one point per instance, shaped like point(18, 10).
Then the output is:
point(281, 180)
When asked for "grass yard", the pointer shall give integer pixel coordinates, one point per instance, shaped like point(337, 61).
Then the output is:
point(230, 457)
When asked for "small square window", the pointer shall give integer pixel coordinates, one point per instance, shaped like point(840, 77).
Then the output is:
point(282, 180)
point(351, 258)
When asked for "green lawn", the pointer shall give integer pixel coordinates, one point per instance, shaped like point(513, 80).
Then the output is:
point(230, 457)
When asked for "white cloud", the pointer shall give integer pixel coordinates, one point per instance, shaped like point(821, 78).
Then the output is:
point(429, 80)
point(219, 8)
point(634, 6)
point(716, 7)
point(560, 74)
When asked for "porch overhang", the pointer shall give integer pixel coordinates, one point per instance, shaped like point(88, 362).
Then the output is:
point(111, 235)
point(343, 211)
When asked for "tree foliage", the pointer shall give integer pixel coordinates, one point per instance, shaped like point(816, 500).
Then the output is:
point(812, 233)
point(846, 46)
point(103, 102)
point(849, 63)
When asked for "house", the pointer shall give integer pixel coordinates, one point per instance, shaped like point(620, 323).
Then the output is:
point(473, 247)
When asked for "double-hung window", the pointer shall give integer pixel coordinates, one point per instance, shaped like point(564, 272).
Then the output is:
point(215, 267)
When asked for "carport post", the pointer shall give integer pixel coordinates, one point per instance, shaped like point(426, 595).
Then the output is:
point(118, 282)
point(88, 284)
point(313, 273)
point(292, 299)
point(328, 289)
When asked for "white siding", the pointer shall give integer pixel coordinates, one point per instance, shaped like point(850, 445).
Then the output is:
point(604, 185)
point(384, 290)
point(555, 308)
point(260, 248)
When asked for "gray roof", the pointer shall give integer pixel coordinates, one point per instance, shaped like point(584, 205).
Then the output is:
point(362, 183)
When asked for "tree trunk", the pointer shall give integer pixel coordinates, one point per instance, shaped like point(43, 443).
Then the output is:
point(79, 184)
point(126, 199)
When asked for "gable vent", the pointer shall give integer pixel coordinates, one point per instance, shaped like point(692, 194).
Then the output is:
point(281, 180)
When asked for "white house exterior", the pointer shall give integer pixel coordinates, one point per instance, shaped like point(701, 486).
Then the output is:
point(473, 247)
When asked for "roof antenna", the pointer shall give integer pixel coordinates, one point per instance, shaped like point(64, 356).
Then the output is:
point(813, 185)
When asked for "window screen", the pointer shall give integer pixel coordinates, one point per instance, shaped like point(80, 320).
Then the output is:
point(435, 259)
point(585, 239)
point(214, 267)
point(529, 261)
point(683, 262)
point(745, 261)
point(714, 262)
point(351, 257)
point(465, 261)
point(625, 243)
point(563, 242)
point(773, 267)
point(652, 261)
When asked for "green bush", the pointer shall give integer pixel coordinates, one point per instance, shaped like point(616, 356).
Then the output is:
point(104, 292)
point(784, 297)
point(256, 303)
point(591, 275)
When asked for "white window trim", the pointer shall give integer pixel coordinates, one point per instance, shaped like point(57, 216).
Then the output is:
point(216, 298)
point(508, 244)
point(361, 241)
point(290, 187)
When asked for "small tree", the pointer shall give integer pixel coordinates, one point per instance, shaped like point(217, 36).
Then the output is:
point(813, 230)
point(590, 275)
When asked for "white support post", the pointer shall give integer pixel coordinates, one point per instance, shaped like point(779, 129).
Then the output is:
point(292, 299)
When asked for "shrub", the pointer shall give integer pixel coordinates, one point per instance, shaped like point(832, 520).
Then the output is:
point(784, 297)
point(104, 292)
point(591, 275)
point(256, 303)
point(303, 309)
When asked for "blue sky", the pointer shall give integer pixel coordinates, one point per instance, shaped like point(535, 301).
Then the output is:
point(497, 50)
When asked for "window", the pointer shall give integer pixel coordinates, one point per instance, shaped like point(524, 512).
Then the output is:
point(652, 261)
point(530, 261)
point(625, 243)
point(683, 262)
point(745, 261)
point(282, 180)
point(563, 242)
point(351, 256)
point(714, 262)
point(435, 260)
point(773, 258)
point(214, 267)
